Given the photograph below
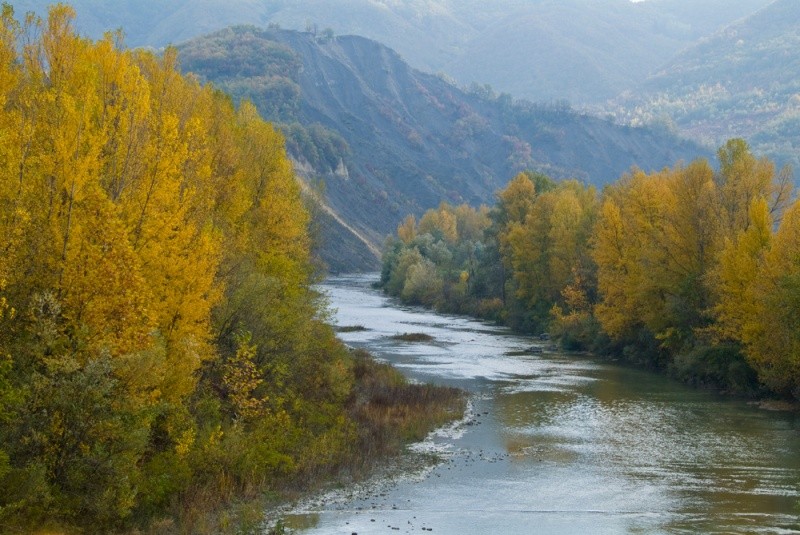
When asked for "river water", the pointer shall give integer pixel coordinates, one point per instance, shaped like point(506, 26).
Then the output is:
point(557, 443)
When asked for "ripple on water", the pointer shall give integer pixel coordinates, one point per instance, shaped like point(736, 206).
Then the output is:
point(565, 444)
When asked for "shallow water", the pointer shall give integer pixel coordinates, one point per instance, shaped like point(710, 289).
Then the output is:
point(554, 443)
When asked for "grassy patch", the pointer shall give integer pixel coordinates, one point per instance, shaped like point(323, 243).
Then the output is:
point(350, 328)
point(413, 337)
point(390, 411)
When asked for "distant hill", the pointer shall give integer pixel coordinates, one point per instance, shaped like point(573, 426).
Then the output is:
point(387, 140)
point(586, 51)
point(741, 82)
point(580, 50)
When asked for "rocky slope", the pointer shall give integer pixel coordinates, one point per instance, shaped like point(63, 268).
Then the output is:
point(387, 140)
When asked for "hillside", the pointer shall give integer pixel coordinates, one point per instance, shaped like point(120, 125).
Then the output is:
point(586, 51)
point(580, 50)
point(742, 82)
point(387, 140)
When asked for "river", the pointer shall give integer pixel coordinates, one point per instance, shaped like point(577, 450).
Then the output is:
point(557, 443)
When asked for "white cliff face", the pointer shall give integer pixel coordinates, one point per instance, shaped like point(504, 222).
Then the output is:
point(341, 170)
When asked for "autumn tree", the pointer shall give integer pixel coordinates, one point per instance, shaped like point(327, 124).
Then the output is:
point(757, 283)
point(550, 248)
point(654, 243)
point(159, 327)
point(671, 244)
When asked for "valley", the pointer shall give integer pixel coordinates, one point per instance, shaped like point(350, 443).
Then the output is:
point(387, 140)
point(256, 249)
point(572, 89)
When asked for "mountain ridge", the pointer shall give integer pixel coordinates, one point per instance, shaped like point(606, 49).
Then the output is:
point(387, 140)
point(471, 40)
point(740, 82)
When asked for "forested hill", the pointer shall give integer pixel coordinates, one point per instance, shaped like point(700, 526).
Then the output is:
point(742, 82)
point(388, 140)
point(582, 50)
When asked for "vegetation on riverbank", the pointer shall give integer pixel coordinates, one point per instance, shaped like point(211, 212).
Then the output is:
point(413, 337)
point(391, 412)
point(350, 328)
point(162, 350)
point(387, 412)
point(689, 270)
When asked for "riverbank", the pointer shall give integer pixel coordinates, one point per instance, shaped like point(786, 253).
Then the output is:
point(691, 270)
point(386, 413)
point(559, 443)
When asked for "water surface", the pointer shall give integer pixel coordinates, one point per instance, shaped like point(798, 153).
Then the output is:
point(557, 443)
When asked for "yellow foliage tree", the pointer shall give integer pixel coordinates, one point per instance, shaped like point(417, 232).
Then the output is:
point(407, 230)
point(550, 250)
point(440, 223)
point(144, 221)
point(758, 281)
point(656, 241)
point(772, 334)
point(735, 276)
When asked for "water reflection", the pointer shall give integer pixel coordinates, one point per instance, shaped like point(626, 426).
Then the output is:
point(716, 460)
point(566, 444)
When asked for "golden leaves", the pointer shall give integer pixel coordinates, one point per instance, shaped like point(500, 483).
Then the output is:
point(690, 254)
point(123, 181)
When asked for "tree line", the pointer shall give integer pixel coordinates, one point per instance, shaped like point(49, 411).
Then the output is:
point(690, 269)
point(161, 343)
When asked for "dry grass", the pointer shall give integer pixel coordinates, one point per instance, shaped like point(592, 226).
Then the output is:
point(350, 328)
point(390, 411)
